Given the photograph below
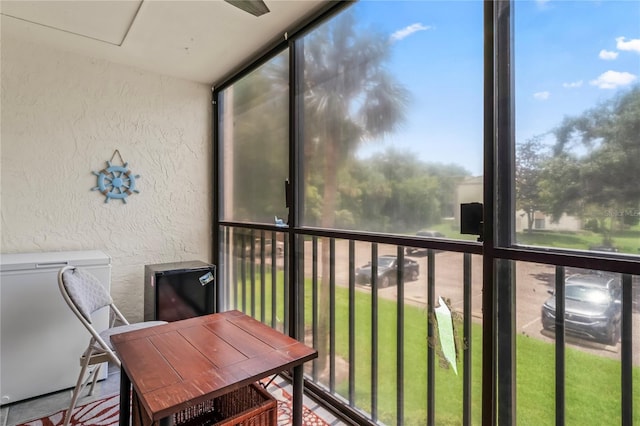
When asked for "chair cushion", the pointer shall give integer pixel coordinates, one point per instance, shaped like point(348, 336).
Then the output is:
point(86, 291)
point(106, 334)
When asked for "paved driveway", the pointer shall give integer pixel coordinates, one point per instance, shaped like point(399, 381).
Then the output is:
point(532, 282)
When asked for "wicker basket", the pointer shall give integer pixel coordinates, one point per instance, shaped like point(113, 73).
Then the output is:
point(247, 406)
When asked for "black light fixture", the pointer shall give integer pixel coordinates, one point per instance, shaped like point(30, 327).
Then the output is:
point(254, 7)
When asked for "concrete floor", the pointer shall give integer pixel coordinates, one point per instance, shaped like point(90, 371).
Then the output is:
point(34, 408)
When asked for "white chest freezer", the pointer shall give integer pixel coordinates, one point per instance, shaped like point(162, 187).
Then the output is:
point(41, 340)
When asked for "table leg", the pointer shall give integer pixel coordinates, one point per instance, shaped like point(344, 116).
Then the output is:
point(297, 395)
point(125, 398)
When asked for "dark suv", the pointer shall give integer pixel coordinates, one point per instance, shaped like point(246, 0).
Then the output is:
point(592, 307)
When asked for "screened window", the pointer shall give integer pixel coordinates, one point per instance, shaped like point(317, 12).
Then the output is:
point(577, 117)
point(392, 106)
point(254, 133)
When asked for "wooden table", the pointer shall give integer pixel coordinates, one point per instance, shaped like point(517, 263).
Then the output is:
point(179, 364)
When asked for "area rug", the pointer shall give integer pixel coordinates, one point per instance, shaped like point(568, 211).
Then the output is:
point(309, 417)
point(102, 412)
point(105, 412)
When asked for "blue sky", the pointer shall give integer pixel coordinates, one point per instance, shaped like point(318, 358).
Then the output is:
point(569, 55)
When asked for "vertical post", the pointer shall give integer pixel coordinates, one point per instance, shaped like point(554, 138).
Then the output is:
point(400, 338)
point(288, 289)
point(263, 273)
point(466, 386)
point(502, 216)
point(295, 190)
point(352, 324)
point(431, 358)
point(332, 315)
point(274, 292)
point(300, 283)
point(218, 258)
point(314, 286)
point(374, 332)
point(626, 350)
point(243, 272)
point(560, 342)
point(252, 272)
point(297, 396)
point(125, 398)
point(488, 302)
point(506, 308)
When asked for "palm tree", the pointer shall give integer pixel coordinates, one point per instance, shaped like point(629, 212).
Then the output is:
point(349, 98)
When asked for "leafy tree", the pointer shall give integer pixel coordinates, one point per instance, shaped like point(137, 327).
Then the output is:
point(449, 177)
point(530, 156)
point(418, 194)
point(364, 191)
point(560, 180)
point(596, 158)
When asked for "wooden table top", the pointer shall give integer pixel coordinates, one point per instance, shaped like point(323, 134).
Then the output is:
point(179, 364)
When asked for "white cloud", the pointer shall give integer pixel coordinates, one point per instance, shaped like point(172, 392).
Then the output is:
point(613, 79)
point(407, 31)
point(542, 96)
point(572, 85)
point(633, 44)
point(607, 55)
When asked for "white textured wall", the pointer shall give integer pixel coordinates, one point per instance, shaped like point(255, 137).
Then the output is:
point(62, 117)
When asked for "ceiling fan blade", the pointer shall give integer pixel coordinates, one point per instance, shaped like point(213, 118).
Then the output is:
point(254, 7)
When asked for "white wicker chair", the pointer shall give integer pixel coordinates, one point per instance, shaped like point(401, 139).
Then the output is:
point(85, 295)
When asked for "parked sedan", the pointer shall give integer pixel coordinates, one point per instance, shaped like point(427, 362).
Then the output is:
point(388, 271)
point(592, 307)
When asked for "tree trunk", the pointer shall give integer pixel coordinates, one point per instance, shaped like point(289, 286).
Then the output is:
point(530, 215)
point(330, 171)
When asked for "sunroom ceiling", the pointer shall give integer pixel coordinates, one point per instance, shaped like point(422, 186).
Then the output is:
point(200, 40)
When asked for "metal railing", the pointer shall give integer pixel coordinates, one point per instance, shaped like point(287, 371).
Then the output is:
point(349, 320)
point(255, 273)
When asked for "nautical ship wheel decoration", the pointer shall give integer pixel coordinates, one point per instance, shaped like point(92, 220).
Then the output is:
point(116, 182)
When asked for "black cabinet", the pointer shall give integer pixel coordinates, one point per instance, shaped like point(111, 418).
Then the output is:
point(179, 290)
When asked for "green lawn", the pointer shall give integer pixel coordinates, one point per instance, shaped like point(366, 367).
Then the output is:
point(592, 382)
point(626, 241)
